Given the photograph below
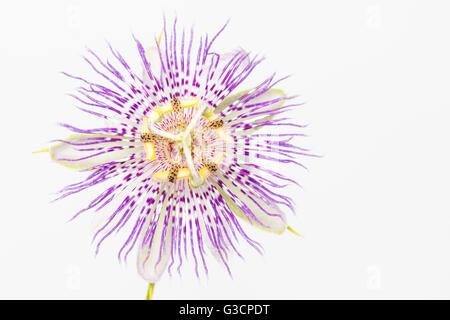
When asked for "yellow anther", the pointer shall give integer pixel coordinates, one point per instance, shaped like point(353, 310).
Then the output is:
point(184, 103)
point(216, 124)
point(221, 132)
point(205, 172)
point(149, 148)
point(164, 175)
point(149, 145)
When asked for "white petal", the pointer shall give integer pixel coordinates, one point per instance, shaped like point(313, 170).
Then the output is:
point(69, 155)
point(227, 56)
point(149, 263)
point(206, 239)
point(223, 61)
point(229, 100)
point(152, 55)
point(269, 95)
point(104, 220)
point(276, 224)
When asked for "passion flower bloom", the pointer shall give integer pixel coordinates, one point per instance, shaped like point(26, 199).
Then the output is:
point(181, 158)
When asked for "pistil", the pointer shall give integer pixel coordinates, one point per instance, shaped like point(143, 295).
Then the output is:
point(196, 179)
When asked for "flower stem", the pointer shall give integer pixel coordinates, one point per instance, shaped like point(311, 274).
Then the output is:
point(151, 286)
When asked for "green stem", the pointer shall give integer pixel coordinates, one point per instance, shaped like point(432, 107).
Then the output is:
point(151, 286)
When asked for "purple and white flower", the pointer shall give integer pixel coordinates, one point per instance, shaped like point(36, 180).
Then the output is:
point(183, 159)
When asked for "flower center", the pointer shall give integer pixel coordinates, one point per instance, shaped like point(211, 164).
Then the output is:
point(186, 139)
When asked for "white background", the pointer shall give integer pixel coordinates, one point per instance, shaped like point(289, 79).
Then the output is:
point(374, 210)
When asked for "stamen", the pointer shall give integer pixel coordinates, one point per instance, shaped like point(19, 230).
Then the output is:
point(211, 166)
point(146, 137)
point(183, 103)
point(173, 173)
point(216, 124)
point(176, 105)
point(148, 140)
point(164, 175)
